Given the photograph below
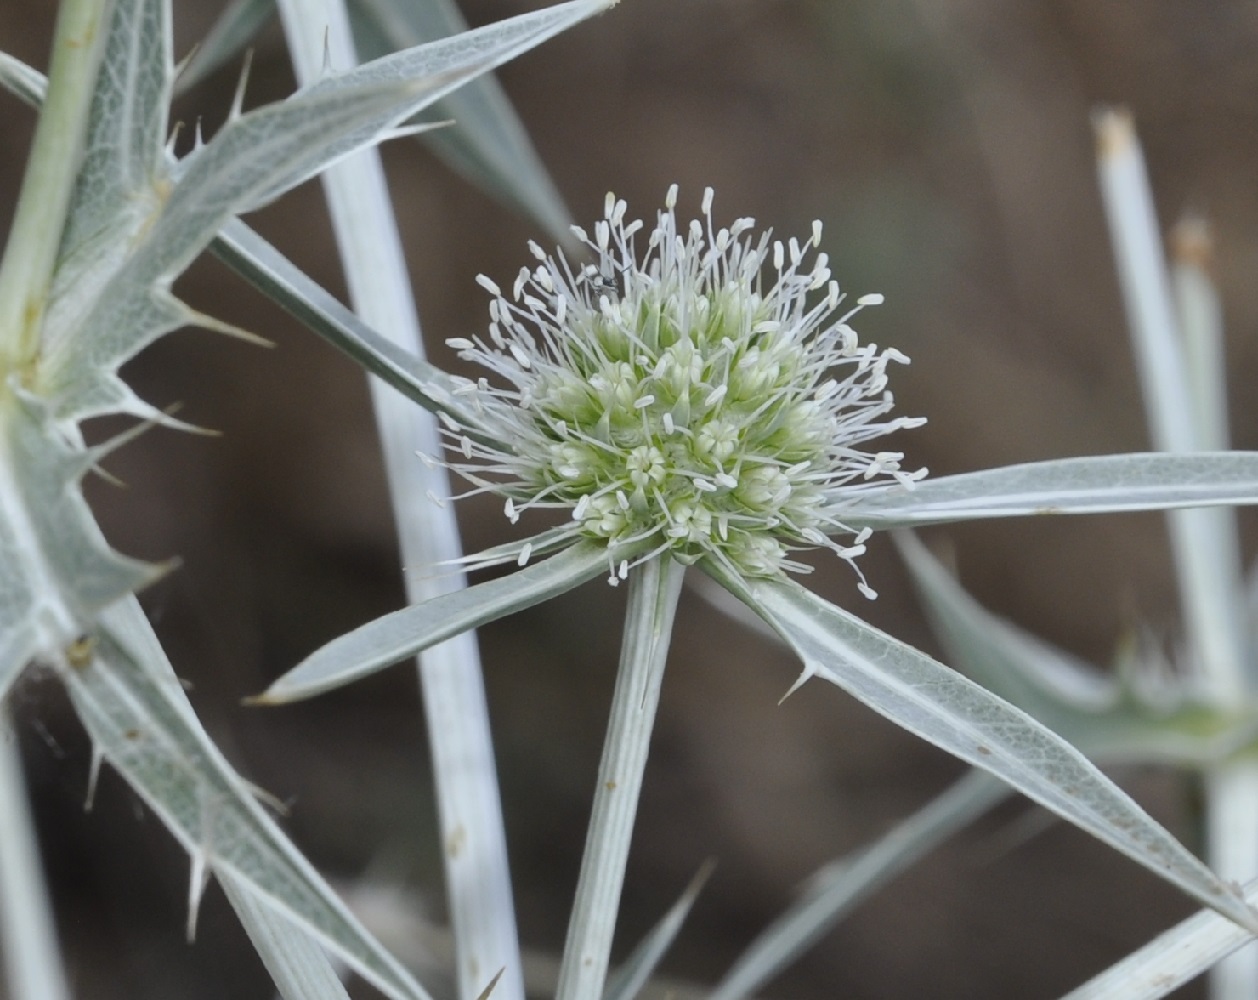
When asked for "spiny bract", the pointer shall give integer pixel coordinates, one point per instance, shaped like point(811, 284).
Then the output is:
point(681, 403)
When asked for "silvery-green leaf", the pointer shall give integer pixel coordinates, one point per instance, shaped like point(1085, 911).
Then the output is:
point(835, 890)
point(240, 21)
point(139, 719)
point(86, 337)
point(1090, 485)
point(1094, 712)
point(411, 630)
point(22, 81)
point(444, 66)
point(279, 279)
point(124, 151)
point(300, 968)
point(486, 143)
point(637, 969)
point(1171, 959)
point(56, 569)
point(943, 707)
point(95, 325)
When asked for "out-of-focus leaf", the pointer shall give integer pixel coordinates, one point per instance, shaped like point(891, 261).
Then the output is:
point(21, 80)
point(235, 28)
point(1103, 718)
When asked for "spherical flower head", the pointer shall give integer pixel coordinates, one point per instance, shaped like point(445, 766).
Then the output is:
point(707, 399)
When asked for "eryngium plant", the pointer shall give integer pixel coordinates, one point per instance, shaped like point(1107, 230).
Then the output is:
point(107, 220)
point(705, 402)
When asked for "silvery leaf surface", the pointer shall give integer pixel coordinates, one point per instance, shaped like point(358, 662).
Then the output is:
point(949, 710)
point(57, 572)
point(1089, 485)
point(1107, 719)
point(485, 142)
point(123, 154)
point(140, 721)
point(300, 968)
point(411, 630)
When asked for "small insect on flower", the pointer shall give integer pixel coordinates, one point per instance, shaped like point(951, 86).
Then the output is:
point(707, 399)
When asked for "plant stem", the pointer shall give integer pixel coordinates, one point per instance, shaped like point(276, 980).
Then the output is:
point(32, 959)
point(478, 878)
point(30, 255)
point(653, 591)
point(1203, 540)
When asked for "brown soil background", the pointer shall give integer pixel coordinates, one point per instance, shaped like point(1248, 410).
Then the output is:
point(946, 145)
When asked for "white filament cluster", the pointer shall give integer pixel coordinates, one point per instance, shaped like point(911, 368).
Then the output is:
point(708, 399)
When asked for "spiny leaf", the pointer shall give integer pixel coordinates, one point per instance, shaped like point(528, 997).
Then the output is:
point(407, 632)
point(57, 572)
point(943, 707)
point(135, 710)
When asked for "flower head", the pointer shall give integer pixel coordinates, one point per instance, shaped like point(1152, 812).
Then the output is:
point(690, 402)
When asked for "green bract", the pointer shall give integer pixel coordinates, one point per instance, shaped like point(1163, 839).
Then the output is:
point(680, 401)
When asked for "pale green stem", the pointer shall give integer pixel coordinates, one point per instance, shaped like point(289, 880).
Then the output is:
point(30, 255)
point(469, 809)
point(32, 960)
point(1231, 787)
point(1176, 326)
point(653, 591)
point(1231, 821)
point(1210, 598)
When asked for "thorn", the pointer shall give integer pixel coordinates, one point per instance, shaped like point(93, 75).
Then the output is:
point(213, 323)
point(238, 99)
point(327, 52)
point(492, 983)
point(807, 674)
point(199, 877)
point(268, 799)
point(93, 777)
point(183, 63)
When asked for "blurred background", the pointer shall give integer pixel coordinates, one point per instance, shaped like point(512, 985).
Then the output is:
point(946, 145)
